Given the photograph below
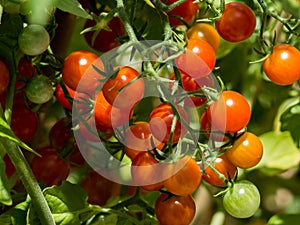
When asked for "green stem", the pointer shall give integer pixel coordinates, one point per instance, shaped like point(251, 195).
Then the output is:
point(32, 187)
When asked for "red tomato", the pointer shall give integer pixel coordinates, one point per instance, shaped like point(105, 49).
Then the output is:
point(78, 66)
point(49, 168)
point(145, 171)
point(99, 189)
point(205, 32)
point(4, 78)
point(138, 139)
point(9, 166)
point(246, 151)
point(183, 177)
point(175, 210)
point(108, 116)
point(105, 40)
point(61, 97)
point(24, 122)
point(130, 95)
point(26, 70)
point(237, 22)
point(282, 66)
point(161, 119)
point(191, 85)
point(186, 11)
point(224, 166)
point(230, 113)
point(199, 59)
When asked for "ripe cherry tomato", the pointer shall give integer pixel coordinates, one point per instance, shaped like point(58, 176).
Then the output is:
point(25, 129)
point(191, 85)
point(99, 189)
point(49, 168)
point(108, 116)
point(77, 66)
point(199, 59)
point(9, 166)
point(161, 119)
point(246, 151)
point(175, 210)
point(138, 139)
point(183, 177)
point(242, 200)
point(224, 166)
point(37, 34)
point(61, 97)
point(282, 66)
point(105, 40)
point(205, 32)
point(145, 171)
point(230, 113)
point(186, 10)
point(130, 95)
point(26, 70)
point(237, 22)
point(4, 78)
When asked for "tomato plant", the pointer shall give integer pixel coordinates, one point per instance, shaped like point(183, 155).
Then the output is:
point(237, 22)
point(282, 65)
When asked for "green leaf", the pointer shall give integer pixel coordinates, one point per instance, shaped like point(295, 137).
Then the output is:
point(149, 3)
point(68, 204)
point(291, 6)
point(5, 197)
point(284, 219)
point(10, 28)
point(280, 153)
point(16, 215)
point(73, 7)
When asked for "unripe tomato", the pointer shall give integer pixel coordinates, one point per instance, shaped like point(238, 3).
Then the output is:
point(282, 66)
point(34, 40)
point(175, 210)
point(230, 113)
point(224, 166)
point(199, 59)
point(186, 10)
point(119, 92)
point(4, 77)
point(39, 89)
point(145, 171)
point(161, 119)
point(237, 22)
point(138, 139)
point(246, 151)
point(242, 200)
point(78, 66)
point(205, 32)
point(183, 176)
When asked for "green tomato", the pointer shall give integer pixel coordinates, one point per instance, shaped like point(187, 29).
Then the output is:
point(39, 89)
point(242, 200)
point(34, 40)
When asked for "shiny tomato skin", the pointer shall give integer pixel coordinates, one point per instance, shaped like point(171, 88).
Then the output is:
point(105, 40)
point(49, 168)
point(138, 139)
point(187, 11)
point(130, 95)
point(145, 171)
point(108, 116)
point(199, 59)
point(78, 65)
point(246, 151)
point(205, 32)
point(61, 97)
point(224, 166)
point(183, 177)
point(161, 119)
point(230, 113)
point(175, 210)
point(282, 66)
point(25, 129)
point(237, 22)
point(4, 78)
point(99, 188)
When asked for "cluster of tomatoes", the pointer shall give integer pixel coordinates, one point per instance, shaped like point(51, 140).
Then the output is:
point(167, 151)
